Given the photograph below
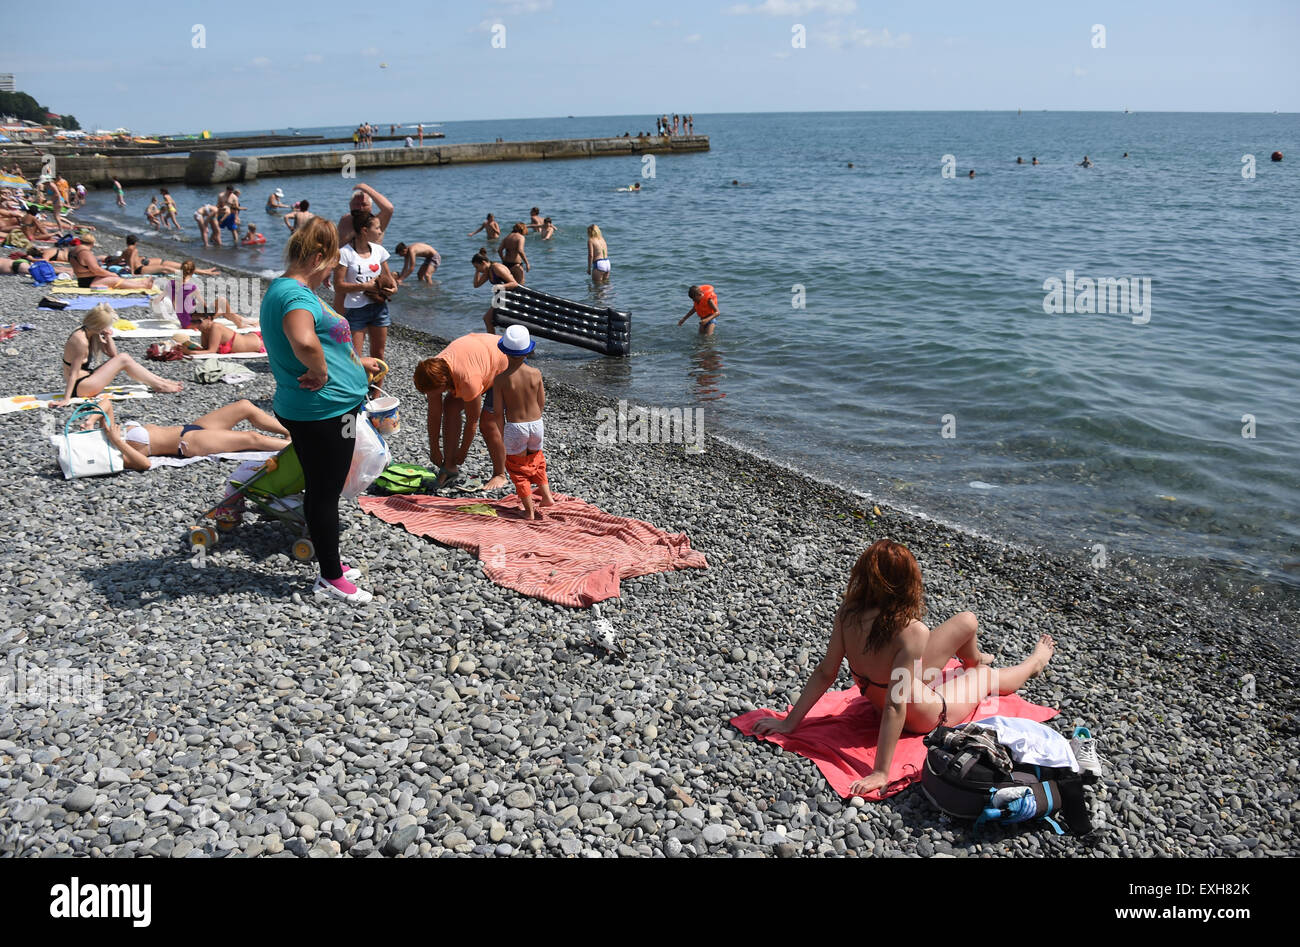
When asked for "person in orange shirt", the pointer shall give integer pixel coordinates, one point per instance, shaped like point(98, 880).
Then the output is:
point(705, 305)
point(453, 381)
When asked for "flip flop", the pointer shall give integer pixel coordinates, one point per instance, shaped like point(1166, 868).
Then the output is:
point(467, 485)
point(445, 480)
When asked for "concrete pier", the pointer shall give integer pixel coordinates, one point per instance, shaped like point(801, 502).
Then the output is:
point(218, 167)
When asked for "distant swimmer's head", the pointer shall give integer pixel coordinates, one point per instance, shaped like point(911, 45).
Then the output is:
point(735, 183)
point(1035, 161)
point(252, 228)
point(546, 220)
point(400, 249)
point(303, 205)
point(693, 292)
point(432, 376)
point(886, 577)
point(972, 173)
point(593, 232)
point(850, 164)
point(535, 211)
point(490, 217)
point(1020, 160)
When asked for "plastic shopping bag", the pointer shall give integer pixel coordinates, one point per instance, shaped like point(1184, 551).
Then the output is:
point(369, 458)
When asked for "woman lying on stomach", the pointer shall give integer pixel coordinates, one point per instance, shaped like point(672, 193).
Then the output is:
point(898, 662)
point(218, 339)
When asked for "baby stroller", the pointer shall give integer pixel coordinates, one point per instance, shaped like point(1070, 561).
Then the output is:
point(274, 487)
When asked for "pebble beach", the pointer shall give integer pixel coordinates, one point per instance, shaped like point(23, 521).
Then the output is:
point(243, 717)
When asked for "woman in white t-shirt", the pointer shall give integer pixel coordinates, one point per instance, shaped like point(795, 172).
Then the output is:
point(363, 284)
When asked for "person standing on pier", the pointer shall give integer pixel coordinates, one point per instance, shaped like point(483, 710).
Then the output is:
point(420, 127)
point(370, 201)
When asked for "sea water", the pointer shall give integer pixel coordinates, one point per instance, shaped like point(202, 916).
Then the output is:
point(901, 329)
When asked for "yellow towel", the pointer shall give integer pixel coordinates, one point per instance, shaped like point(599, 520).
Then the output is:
point(125, 325)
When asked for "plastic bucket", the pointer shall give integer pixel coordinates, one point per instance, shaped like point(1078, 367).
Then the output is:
point(384, 415)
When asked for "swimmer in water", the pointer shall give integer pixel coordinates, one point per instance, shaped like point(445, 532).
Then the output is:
point(972, 174)
point(1085, 163)
point(548, 229)
point(490, 226)
point(1035, 161)
point(1020, 160)
point(705, 305)
point(410, 252)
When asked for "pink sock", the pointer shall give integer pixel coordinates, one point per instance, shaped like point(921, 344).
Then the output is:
point(342, 584)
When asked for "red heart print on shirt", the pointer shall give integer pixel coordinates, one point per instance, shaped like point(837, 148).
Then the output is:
point(374, 267)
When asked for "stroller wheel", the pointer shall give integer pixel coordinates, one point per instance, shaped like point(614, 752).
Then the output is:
point(203, 536)
point(303, 550)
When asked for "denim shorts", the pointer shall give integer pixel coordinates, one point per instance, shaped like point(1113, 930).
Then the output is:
point(373, 314)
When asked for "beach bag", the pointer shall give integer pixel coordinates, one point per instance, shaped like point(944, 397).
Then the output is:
point(970, 775)
point(158, 352)
point(42, 272)
point(18, 239)
point(68, 240)
point(86, 453)
point(369, 458)
point(161, 307)
point(400, 479)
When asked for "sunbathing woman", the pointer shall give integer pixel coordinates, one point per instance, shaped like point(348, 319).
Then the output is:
point(898, 662)
point(82, 379)
point(211, 434)
point(89, 273)
point(216, 339)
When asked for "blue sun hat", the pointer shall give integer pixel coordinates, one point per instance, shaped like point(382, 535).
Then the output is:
point(516, 342)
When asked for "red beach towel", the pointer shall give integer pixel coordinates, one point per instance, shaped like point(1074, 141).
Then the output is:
point(840, 732)
point(575, 555)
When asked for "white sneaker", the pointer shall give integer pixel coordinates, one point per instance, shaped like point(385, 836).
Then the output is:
point(359, 597)
point(351, 573)
point(1085, 752)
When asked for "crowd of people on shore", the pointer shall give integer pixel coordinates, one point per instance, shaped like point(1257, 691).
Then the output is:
point(479, 384)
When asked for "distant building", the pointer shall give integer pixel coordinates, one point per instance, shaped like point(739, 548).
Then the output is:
point(6, 82)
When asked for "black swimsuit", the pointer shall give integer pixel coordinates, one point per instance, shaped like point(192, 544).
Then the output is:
point(85, 366)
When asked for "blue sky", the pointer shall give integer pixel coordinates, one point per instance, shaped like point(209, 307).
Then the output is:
point(275, 64)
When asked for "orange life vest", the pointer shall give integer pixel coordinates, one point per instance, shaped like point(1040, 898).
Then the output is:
point(701, 305)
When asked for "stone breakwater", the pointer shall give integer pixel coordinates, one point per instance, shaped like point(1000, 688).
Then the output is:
point(236, 715)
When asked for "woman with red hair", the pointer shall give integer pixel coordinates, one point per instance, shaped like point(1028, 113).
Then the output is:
point(898, 662)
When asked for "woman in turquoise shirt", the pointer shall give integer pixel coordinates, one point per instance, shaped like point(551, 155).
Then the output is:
point(320, 385)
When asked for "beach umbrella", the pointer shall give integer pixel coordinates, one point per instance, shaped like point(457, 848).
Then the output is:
point(13, 180)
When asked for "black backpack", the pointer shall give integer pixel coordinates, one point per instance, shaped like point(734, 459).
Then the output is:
point(969, 775)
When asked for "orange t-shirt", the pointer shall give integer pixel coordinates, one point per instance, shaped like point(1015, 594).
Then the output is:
point(702, 304)
point(475, 362)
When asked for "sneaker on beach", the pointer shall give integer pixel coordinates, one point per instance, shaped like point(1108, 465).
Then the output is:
point(359, 597)
point(1085, 752)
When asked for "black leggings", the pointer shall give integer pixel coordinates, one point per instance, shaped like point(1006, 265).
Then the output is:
point(325, 452)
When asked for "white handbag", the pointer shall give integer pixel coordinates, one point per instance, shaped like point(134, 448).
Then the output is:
point(86, 453)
